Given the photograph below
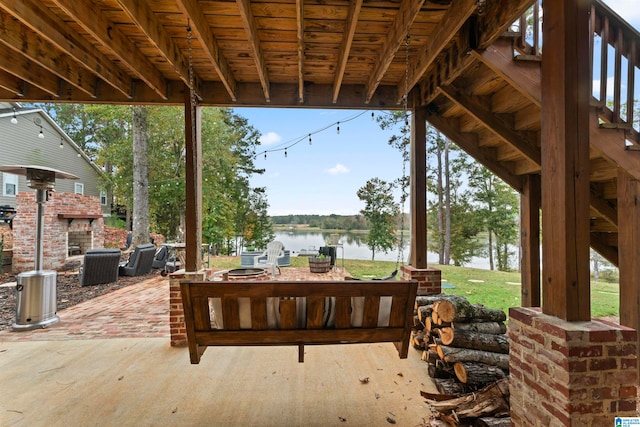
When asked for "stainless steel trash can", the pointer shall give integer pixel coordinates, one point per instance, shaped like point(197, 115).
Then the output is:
point(36, 304)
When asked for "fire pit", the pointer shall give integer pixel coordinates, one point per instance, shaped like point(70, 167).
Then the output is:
point(256, 274)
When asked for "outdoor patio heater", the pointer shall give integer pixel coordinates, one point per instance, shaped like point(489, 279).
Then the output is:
point(36, 303)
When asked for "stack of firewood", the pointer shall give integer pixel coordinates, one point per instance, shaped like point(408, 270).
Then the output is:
point(466, 350)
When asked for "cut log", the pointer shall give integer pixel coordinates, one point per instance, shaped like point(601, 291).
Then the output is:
point(475, 340)
point(477, 373)
point(455, 354)
point(490, 400)
point(435, 319)
point(495, 328)
point(424, 312)
point(417, 340)
point(429, 356)
point(449, 386)
point(461, 310)
point(494, 422)
point(440, 369)
point(429, 299)
point(417, 324)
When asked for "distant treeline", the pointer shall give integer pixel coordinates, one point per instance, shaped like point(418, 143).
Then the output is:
point(327, 222)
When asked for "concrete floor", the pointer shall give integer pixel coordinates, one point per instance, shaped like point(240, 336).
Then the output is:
point(60, 378)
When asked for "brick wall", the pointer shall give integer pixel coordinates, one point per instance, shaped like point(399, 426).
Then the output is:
point(55, 243)
point(177, 327)
point(429, 279)
point(570, 373)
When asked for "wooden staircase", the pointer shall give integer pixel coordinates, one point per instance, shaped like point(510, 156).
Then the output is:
point(489, 104)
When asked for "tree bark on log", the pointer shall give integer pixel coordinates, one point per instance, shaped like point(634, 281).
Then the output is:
point(429, 299)
point(455, 354)
point(440, 369)
point(495, 328)
point(449, 386)
point(494, 422)
point(474, 340)
point(493, 399)
point(477, 373)
point(461, 310)
point(424, 312)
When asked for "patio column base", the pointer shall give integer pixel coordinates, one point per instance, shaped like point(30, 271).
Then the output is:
point(429, 279)
point(177, 327)
point(569, 373)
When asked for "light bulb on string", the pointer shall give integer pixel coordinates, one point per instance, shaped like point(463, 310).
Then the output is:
point(309, 139)
point(14, 119)
point(61, 143)
point(41, 134)
point(285, 153)
point(338, 128)
point(79, 155)
point(265, 155)
point(372, 116)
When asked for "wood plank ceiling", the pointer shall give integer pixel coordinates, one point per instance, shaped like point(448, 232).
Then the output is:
point(305, 53)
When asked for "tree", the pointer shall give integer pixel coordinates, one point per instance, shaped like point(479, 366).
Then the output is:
point(381, 211)
point(140, 230)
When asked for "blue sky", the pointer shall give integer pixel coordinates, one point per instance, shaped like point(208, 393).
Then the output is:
point(323, 178)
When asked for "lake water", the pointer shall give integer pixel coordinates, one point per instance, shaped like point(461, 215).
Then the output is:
point(355, 246)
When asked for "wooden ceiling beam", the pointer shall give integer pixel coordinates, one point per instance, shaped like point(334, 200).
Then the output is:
point(249, 22)
point(34, 74)
point(468, 142)
point(42, 21)
point(603, 207)
point(451, 23)
point(598, 242)
point(143, 16)
point(521, 141)
point(300, 47)
point(498, 15)
point(201, 30)
point(36, 49)
point(345, 48)
point(96, 23)
point(11, 83)
point(396, 36)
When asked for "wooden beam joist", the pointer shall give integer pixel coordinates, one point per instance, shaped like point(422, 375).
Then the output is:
point(345, 49)
point(249, 22)
point(11, 83)
point(43, 22)
point(409, 9)
point(141, 13)
point(468, 142)
point(602, 206)
point(598, 242)
point(499, 14)
point(40, 51)
point(29, 72)
point(96, 23)
point(300, 48)
point(451, 23)
point(201, 30)
point(524, 142)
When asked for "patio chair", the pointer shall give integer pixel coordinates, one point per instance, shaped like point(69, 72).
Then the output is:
point(99, 266)
point(269, 258)
point(140, 261)
point(161, 257)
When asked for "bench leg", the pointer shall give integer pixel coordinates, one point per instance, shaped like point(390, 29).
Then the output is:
point(300, 353)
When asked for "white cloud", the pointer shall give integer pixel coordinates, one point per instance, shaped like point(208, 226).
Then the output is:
point(338, 169)
point(627, 9)
point(270, 138)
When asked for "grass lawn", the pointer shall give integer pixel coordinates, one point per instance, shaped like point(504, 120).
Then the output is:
point(494, 289)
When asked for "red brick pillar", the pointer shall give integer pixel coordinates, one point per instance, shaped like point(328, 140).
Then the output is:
point(429, 279)
point(177, 326)
point(570, 373)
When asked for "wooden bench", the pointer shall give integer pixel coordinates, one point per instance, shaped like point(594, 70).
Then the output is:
point(252, 301)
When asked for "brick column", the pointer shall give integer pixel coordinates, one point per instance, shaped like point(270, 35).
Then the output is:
point(177, 326)
point(570, 373)
point(429, 279)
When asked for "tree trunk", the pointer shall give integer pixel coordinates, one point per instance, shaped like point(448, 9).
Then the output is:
point(455, 354)
point(461, 310)
point(441, 231)
point(495, 328)
point(477, 373)
point(491, 263)
point(140, 232)
point(475, 340)
point(447, 210)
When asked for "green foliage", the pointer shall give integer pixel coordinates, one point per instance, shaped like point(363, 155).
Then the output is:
point(381, 211)
point(325, 222)
point(115, 222)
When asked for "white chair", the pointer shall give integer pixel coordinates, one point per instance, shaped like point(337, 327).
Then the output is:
point(269, 258)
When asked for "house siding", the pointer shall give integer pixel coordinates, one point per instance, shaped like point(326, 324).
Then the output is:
point(20, 145)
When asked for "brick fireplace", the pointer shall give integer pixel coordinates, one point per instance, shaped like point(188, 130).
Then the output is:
point(73, 223)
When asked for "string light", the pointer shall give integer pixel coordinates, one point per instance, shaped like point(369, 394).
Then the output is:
point(372, 116)
point(338, 128)
point(41, 134)
point(309, 139)
point(61, 143)
point(14, 119)
point(285, 152)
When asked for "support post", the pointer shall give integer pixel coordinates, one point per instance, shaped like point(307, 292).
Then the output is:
point(193, 172)
point(628, 249)
point(565, 160)
point(530, 200)
point(418, 170)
